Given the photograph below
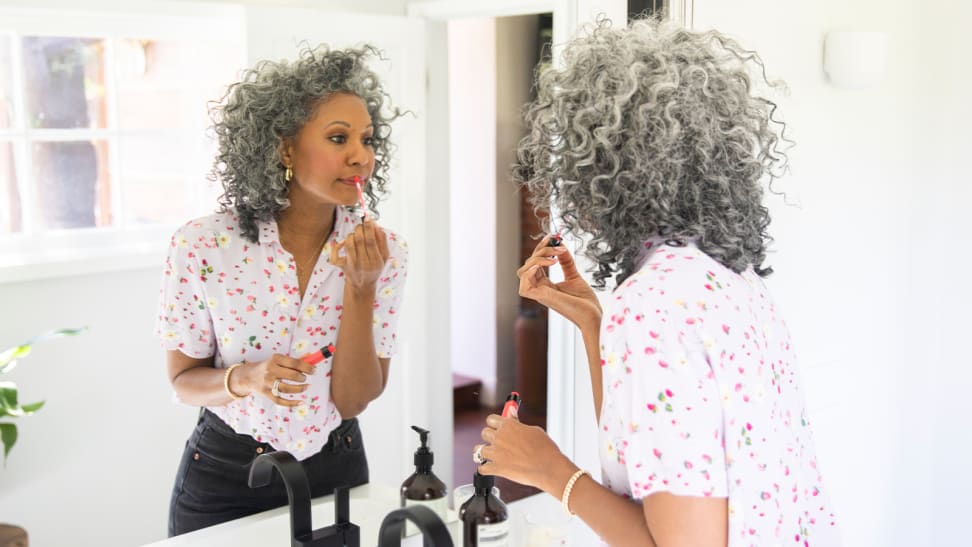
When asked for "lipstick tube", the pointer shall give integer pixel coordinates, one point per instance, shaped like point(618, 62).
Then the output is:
point(317, 356)
point(512, 402)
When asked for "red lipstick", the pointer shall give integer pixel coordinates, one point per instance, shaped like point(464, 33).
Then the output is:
point(318, 356)
point(364, 210)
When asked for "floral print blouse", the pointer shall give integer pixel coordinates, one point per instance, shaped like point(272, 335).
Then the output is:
point(702, 397)
point(226, 297)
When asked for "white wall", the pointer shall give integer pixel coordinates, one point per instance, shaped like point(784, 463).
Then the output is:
point(109, 438)
point(472, 194)
point(392, 7)
point(934, 398)
point(395, 7)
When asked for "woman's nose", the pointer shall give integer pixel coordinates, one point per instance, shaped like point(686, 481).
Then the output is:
point(360, 155)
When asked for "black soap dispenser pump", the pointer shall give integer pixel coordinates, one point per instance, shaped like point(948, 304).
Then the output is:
point(422, 487)
point(484, 517)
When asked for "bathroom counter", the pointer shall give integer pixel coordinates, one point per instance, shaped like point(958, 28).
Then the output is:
point(369, 505)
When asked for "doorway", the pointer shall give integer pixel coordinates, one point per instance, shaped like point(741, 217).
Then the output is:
point(498, 339)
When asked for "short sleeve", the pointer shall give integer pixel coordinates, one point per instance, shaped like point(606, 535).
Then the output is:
point(388, 297)
point(669, 430)
point(183, 321)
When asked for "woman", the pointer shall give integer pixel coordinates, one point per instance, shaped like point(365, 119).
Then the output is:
point(286, 268)
point(651, 148)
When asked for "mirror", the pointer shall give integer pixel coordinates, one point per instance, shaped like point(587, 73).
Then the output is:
point(109, 438)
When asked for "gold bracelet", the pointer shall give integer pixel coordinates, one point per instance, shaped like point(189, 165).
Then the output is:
point(565, 499)
point(226, 382)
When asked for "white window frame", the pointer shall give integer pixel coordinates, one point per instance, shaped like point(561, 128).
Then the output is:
point(60, 253)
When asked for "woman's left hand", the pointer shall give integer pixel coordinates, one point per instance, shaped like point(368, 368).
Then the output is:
point(523, 454)
point(365, 253)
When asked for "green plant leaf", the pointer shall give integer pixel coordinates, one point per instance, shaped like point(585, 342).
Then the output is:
point(20, 411)
point(32, 408)
point(8, 359)
point(8, 434)
point(8, 395)
point(9, 407)
point(57, 333)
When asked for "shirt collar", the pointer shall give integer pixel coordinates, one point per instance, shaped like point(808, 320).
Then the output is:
point(652, 244)
point(345, 221)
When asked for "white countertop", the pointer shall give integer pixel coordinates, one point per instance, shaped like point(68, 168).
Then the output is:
point(369, 505)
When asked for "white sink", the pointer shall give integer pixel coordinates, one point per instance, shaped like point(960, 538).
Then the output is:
point(369, 505)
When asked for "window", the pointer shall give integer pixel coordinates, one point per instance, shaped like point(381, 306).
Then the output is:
point(103, 117)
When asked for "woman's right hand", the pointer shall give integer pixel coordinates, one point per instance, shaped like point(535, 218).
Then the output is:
point(261, 376)
point(573, 297)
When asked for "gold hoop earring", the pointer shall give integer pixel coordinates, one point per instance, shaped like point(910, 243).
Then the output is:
point(288, 174)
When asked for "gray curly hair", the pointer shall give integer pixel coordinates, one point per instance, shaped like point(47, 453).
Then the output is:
point(269, 105)
point(652, 130)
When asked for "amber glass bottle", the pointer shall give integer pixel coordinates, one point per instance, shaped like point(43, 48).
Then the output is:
point(422, 487)
point(485, 519)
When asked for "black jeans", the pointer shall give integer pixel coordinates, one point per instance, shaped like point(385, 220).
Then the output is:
point(211, 484)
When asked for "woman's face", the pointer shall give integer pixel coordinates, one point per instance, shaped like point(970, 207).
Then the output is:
point(332, 148)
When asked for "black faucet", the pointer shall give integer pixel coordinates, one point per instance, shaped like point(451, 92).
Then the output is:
point(343, 533)
point(434, 531)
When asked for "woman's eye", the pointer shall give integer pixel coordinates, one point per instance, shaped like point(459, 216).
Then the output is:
point(337, 139)
point(369, 141)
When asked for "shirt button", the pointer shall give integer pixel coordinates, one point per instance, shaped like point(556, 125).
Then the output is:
point(259, 450)
point(195, 456)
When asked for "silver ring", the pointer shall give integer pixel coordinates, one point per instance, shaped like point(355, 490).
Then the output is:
point(478, 455)
point(275, 390)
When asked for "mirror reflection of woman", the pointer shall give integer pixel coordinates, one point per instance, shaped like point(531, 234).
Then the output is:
point(288, 265)
point(652, 146)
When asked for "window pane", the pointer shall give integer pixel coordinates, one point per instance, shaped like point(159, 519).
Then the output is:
point(71, 184)
point(164, 84)
point(65, 82)
point(155, 175)
point(11, 220)
point(6, 83)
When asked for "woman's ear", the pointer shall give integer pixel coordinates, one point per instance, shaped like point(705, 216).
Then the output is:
point(285, 151)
